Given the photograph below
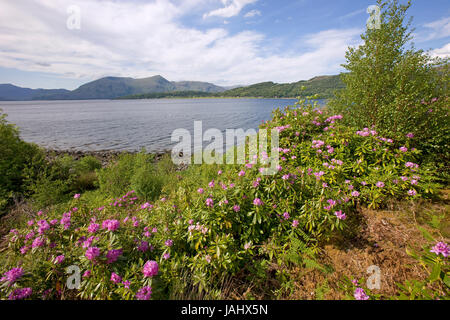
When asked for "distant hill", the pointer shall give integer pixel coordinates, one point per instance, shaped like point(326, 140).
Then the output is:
point(107, 88)
point(10, 92)
point(174, 94)
point(159, 87)
point(324, 86)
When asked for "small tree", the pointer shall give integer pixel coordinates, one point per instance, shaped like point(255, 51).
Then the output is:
point(394, 87)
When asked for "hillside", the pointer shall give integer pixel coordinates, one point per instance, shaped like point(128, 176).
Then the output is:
point(324, 86)
point(159, 87)
point(10, 92)
point(107, 88)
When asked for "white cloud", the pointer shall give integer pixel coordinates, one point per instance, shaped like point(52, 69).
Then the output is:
point(143, 39)
point(252, 13)
point(232, 8)
point(436, 30)
point(443, 52)
point(352, 14)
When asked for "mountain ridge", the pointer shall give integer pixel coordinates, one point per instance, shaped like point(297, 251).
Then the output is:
point(106, 88)
point(323, 86)
point(159, 87)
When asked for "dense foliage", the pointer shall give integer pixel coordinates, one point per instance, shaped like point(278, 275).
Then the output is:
point(396, 88)
point(17, 157)
point(324, 87)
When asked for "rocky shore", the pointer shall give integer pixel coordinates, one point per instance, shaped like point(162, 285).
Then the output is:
point(104, 156)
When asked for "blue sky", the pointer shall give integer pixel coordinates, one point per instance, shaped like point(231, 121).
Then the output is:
point(226, 42)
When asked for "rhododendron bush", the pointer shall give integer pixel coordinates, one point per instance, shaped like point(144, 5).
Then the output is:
point(197, 235)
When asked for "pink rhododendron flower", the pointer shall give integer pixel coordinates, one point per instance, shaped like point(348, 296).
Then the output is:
point(65, 220)
point(24, 249)
point(257, 202)
point(20, 294)
point(93, 227)
point(145, 205)
point(43, 226)
point(38, 242)
point(380, 184)
point(143, 246)
point(59, 259)
point(77, 195)
point(209, 202)
point(340, 215)
point(150, 268)
point(12, 275)
point(412, 192)
point(126, 284)
point(116, 278)
point(92, 253)
point(87, 274)
point(441, 248)
point(359, 294)
point(144, 293)
point(113, 255)
point(111, 225)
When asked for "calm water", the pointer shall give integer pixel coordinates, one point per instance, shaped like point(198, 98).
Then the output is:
point(130, 124)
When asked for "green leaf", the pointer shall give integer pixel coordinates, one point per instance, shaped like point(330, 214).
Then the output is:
point(435, 272)
point(426, 234)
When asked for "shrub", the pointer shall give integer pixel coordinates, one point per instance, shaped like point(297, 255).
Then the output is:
point(19, 162)
point(116, 178)
point(137, 172)
point(147, 182)
point(395, 88)
point(61, 178)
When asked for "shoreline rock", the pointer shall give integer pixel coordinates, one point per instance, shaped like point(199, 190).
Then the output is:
point(104, 156)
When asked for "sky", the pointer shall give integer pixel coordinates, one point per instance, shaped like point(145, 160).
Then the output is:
point(65, 43)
